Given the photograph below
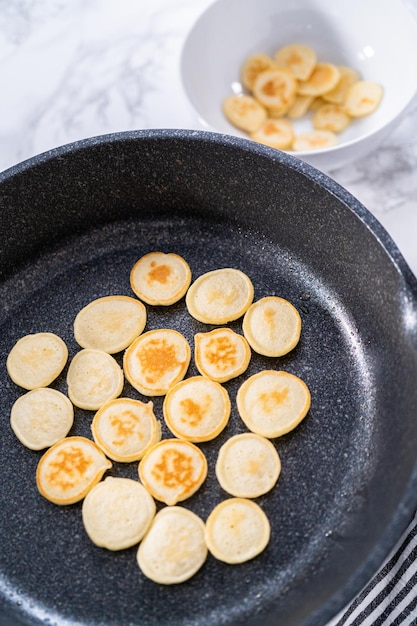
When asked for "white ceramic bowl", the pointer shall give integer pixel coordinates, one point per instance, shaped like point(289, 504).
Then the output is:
point(376, 37)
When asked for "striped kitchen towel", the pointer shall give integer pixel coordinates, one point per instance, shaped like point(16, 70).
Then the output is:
point(390, 598)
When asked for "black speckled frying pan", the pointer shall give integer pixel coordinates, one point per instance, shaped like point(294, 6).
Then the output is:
point(73, 222)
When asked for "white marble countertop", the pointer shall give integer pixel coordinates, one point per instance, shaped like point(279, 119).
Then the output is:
point(75, 69)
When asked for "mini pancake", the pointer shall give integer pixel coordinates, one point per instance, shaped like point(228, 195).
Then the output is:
point(117, 512)
point(36, 360)
point(248, 465)
point(125, 429)
point(160, 279)
point(219, 296)
point(197, 409)
point(237, 530)
point(157, 360)
point(172, 470)
point(331, 117)
point(221, 354)
point(69, 469)
point(272, 403)
point(362, 98)
point(337, 95)
point(323, 78)
point(94, 377)
point(272, 326)
point(277, 133)
point(174, 548)
point(244, 112)
point(41, 417)
point(298, 59)
point(110, 323)
point(275, 89)
point(253, 66)
point(314, 140)
point(299, 107)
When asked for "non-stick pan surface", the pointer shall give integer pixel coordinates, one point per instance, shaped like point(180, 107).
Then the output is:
point(73, 222)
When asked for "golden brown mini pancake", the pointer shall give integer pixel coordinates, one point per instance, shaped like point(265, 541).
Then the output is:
point(117, 512)
point(221, 354)
point(323, 78)
point(156, 361)
point(110, 323)
point(314, 140)
point(160, 279)
point(244, 112)
point(94, 377)
point(275, 132)
point(219, 296)
point(36, 360)
point(248, 465)
point(237, 530)
point(125, 429)
point(271, 402)
point(67, 471)
point(196, 409)
point(174, 548)
point(298, 59)
point(275, 89)
point(337, 95)
point(272, 326)
point(173, 470)
point(362, 98)
point(331, 117)
point(41, 417)
point(253, 66)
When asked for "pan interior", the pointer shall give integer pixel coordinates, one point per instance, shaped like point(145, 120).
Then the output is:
point(49, 562)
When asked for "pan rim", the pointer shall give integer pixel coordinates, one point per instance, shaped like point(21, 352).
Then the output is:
point(246, 145)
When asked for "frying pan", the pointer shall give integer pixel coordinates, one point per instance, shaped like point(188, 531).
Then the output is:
point(73, 223)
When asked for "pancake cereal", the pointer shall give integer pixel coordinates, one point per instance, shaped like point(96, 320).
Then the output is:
point(37, 360)
point(117, 513)
point(160, 279)
point(237, 530)
point(272, 326)
point(253, 66)
point(245, 112)
point(277, 133)
point(69, 469)
point(271, 403)
point(248, 465)
point(41, 417)
point(289, 85)
point(156, 360)
point(275, 89)
point(125, 429)
point(173, 470)
point(94, 377)
point(110, 323)
point(174, 548)
point(299, 59)
point(221, 354)
point(197, 409)
point(362, 98)
point(219, 296)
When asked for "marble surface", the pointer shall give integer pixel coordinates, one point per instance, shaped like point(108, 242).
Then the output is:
point(75, 69)
point(70, 70)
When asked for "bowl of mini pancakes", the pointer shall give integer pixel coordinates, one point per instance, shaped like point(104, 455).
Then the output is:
point(315, 79)
point(198, 397)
